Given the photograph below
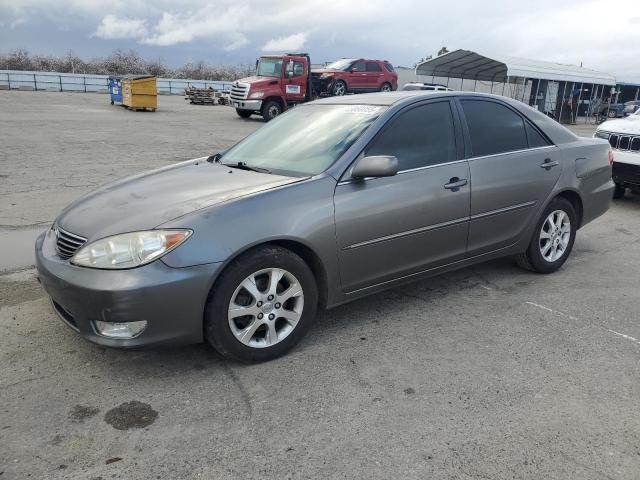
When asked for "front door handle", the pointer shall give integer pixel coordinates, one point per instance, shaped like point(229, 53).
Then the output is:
point(455, 183)
point(548, 164)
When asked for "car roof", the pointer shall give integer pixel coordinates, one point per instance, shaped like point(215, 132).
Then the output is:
point(380, 98)
point(556, 132)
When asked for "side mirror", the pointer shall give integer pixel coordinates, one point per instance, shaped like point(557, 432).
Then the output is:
point(375, 166)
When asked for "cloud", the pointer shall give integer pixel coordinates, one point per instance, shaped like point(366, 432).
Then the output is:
point(112, 27)
point(281, 44)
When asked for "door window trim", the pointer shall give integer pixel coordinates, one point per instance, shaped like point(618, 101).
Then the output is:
point(457, 136)
point(467, 136)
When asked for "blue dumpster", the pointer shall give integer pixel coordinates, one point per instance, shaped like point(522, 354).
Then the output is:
point(115, 89)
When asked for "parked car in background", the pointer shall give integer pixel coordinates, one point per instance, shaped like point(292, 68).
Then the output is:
point(350, 75)
point(241, 248)
point(631, 107)
point(624, 137)
point(427, 87)
point(616, 110)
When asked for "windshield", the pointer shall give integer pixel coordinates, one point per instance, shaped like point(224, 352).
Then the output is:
point(343, 64)
point(269, 67)
point(304, 141)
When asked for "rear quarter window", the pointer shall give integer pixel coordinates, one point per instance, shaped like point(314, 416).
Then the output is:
point(389, 67)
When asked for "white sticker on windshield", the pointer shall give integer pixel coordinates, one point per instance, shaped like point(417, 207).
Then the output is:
point(366, 109)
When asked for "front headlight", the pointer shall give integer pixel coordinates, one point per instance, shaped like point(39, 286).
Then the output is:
point(129, 250)
point(257, 95)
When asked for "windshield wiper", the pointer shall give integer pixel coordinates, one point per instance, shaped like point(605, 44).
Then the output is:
point(244, 166)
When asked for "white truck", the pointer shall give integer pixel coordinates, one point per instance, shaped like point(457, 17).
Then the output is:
point(624, 137)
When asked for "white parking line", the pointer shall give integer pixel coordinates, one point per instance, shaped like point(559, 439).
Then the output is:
point(628, 337)
point(562, 314)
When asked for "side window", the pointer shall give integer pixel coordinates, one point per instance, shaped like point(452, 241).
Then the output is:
point(298, 69)
point(359, 66)
point(493, 128)
point(419, 137)
point(373, 67)
point(388, 66)
point(535, 138)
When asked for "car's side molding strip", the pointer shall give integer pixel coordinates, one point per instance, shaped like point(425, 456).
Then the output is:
point(436, 226)
point(503, 210)
point(407, 233)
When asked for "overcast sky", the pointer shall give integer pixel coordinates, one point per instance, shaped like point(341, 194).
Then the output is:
point(603, 35)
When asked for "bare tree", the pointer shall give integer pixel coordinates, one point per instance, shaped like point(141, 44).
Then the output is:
point(120, 62)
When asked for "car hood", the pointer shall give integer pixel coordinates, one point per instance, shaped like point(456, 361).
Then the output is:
point(630, 124)
point(144, 201)
point(325, 70)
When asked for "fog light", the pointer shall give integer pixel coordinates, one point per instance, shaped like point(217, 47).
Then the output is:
point(120, 330)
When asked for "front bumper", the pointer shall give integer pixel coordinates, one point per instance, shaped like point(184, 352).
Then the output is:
point(626, 171)
point(171, 300)
point(253, 105)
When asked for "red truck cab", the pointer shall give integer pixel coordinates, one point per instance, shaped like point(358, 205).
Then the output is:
point(280, 81)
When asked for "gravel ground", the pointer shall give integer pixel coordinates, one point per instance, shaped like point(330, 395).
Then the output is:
point(487, 372)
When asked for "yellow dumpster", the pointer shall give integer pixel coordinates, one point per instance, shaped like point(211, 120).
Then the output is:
point(139, 92)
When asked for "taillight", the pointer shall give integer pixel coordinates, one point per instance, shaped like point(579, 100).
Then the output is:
point(610, 157)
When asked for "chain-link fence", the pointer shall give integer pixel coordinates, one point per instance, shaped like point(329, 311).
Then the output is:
point(69, 82)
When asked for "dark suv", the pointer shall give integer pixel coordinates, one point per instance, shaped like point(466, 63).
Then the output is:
point(350, 75)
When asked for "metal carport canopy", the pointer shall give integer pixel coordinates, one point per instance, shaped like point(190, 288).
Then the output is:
point(475, 66)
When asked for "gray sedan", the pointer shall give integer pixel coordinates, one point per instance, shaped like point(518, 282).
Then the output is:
point(334, 200)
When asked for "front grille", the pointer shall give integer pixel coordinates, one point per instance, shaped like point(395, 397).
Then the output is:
point(67, 244)
point(625, 143)
point(239, 91)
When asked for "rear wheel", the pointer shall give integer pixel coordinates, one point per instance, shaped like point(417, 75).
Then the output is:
point(619, 191)
point(261, 306)
point(552, 239)
point(339, 88)
point(270, 110)
point(243, 113)
point(386, 87)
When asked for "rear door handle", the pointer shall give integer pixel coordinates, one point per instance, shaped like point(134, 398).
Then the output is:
point(455, 183)
point(548, 164)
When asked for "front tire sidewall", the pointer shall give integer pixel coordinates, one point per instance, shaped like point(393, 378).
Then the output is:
point(216, 324)
point(336, 88)
point(534, 255)
point(388, 87)
point(269, 109)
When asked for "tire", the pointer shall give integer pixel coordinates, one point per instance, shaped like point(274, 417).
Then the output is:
point(339, 88)
point(533, 258)
point(386, 87)
point(243, 113)
point(612, 114)
point(270, 110)
point(619, 191)
point(256, 336)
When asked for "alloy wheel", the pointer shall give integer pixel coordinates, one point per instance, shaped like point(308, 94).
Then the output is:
point(266, 307)
point(555, 235)
point(339, 89)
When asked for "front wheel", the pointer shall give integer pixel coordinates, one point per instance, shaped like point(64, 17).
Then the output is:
point(261, 306)
point(552, 239)
point(612, 114)
point(243, 113)
point(271, 110)
point(339, 88)
point(386, 87)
